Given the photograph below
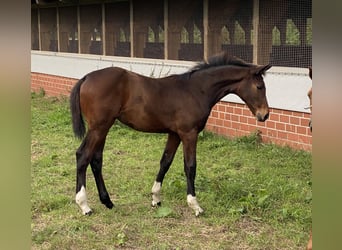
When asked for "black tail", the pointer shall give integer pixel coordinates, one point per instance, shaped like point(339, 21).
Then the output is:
point(76, 114)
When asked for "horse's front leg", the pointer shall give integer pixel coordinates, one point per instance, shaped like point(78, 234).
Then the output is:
point(189, 150)
point(172, 144)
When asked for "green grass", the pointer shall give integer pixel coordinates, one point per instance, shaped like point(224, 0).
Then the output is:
point(255, 196)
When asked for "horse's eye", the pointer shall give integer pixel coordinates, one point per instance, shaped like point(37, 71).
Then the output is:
point(260, 86)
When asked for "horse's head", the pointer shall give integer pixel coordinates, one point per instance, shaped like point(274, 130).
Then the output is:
point(253, 92)
point(310, 98)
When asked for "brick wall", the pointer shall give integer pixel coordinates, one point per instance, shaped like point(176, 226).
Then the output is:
point(52, 85)
point(228, 119)
point(283, 127)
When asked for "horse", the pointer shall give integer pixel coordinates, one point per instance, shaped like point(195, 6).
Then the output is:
point(178, 105)
point(309, 245)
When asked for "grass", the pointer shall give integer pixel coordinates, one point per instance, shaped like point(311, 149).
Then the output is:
point(255, 196)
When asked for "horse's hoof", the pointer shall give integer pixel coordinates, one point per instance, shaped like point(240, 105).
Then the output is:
point(156, 204)
point(192, 202)
point(90, 212)
point(199, 211)
point(109, 204)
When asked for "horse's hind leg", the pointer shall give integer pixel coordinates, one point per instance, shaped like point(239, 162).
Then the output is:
point(86, 153)
point(81, 169)
point(96, 167)
point(165, 163)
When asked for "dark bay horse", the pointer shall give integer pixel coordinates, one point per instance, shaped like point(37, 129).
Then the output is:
point(178, 105)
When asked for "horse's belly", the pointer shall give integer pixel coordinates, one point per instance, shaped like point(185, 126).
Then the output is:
point(143, 123)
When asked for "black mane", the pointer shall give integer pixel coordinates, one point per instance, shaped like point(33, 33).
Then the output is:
point(217, 60)
point(220, 60)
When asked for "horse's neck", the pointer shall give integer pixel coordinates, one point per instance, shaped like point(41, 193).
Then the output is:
point(219, 82)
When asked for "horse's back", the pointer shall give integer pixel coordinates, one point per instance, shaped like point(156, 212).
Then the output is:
point(103, 77)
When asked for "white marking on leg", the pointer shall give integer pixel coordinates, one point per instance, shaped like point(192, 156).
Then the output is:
point(192, 202)
point(156, 193)
point(81, 200)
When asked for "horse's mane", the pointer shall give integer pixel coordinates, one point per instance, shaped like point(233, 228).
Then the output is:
point(221, 59)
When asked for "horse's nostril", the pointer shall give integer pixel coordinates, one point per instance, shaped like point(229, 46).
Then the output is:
point(266, 116)
point(262, 118)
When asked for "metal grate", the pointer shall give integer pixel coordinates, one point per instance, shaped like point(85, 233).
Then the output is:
point(230, 28)
point(148, 28)
point(185, 30)
point(68, 30)
point(48, 29)
point(91, 29)
point(117, 29)
point(259, 31)
point(285, 33)
point(34, 30)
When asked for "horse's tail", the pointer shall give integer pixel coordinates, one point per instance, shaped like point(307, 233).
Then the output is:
point(76, 114)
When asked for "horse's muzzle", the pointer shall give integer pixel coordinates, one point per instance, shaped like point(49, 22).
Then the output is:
point(262, 118)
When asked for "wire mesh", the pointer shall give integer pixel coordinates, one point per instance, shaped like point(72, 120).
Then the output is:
point(48, 29)
point(91, 29)
point(68, 33)
point(117, 29)
point(277, 32)
point(148, 28)
point(34, 30)
point(185, 30)
point(285, 32)
point(230, 28)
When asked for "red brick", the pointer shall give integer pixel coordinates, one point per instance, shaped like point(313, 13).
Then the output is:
point(221, 108)
point(252, 128)
point(282, 135)
point(261, 124)
point(292, 137)
point(274, 117)
point(214, 114)
point(227, 116)
point(280, 126)
point(286, 112)
point(227, 124)
point(229, 109)
point(290, 128)
point(252, 120)
point(243, 119)
point(284, 118)
point(272, 133)
point(235, 118)
point(302, 130)
point(210, 120)
point(270, 124)
point(244, 127)
point(304, 139)
point(238, 111)
point(235, 125)
point(294, 120)
point(276, 111)
point(219, 122)
point(304, 121)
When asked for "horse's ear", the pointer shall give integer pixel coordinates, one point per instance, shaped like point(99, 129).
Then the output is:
point(310, 72)
point(261, 69)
